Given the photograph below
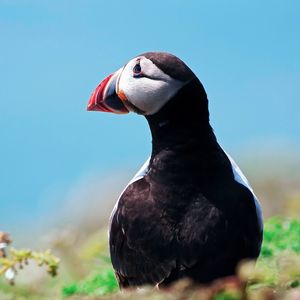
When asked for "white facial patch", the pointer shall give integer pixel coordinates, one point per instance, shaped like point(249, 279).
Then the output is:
point(150, 91)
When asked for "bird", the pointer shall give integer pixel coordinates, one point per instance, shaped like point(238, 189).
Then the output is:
point(189, 212)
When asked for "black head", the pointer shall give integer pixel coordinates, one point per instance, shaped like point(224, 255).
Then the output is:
point(170, 65)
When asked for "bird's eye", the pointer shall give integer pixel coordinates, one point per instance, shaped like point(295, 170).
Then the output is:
point(137, 70)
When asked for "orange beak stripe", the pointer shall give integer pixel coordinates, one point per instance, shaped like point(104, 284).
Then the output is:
point(122, 95)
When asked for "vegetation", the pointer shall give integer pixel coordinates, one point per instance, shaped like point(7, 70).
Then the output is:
point(17, 259)
point(276, 274)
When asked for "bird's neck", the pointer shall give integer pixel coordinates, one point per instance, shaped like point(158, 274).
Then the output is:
point(182, 156)
point(182, 137)
point(177, 137)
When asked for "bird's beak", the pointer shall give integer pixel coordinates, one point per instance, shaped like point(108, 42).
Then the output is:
point(105, 97)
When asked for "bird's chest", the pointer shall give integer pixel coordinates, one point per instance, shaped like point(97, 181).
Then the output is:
point(158, 209)
point(156, 223)
point(174, 200)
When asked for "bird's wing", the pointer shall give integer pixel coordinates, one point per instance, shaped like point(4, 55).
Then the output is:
point(241, 178)
point(141, 251)
point(221, 226)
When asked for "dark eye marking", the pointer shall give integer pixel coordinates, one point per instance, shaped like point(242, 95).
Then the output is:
point(137, 70)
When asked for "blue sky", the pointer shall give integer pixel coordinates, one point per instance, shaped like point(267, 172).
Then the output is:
point(54, 53)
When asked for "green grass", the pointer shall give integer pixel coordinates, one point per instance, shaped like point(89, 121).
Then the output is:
point(280, 235)
point(279, 263)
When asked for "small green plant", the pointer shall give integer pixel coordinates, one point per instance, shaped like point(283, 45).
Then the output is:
point(281, 235)
point(100, 283)
point(227, 296)
point(13, 260)
point(278, 266)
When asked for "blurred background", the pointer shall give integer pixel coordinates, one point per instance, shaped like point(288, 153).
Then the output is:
point(62, 168)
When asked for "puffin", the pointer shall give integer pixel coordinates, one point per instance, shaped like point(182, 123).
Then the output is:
point(189, 212)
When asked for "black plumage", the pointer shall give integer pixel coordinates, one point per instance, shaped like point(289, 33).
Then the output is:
point(187, 216)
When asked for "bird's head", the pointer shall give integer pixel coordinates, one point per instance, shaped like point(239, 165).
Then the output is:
point(144, 85)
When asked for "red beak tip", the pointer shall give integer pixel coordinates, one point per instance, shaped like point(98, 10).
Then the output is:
point(91, 104)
